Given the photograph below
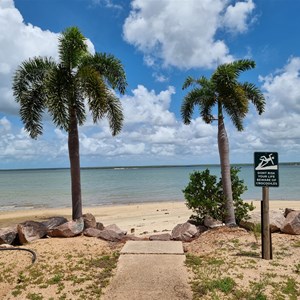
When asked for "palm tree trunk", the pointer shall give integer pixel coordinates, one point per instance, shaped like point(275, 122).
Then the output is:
point(73, 143)
point(225, 170)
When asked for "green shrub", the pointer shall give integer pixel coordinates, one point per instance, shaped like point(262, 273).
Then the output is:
point(204, 196)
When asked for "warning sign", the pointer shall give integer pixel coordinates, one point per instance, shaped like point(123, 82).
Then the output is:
point(266, 169)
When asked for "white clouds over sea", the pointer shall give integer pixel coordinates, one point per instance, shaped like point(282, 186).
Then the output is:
point(153, 132)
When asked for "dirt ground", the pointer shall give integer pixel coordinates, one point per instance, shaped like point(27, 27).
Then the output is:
point(70, 268)
point(236, 253)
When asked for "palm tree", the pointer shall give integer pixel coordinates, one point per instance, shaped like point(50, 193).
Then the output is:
point(230, 96)
point(64, 89)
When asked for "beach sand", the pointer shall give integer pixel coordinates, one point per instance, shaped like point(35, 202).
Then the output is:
point(69, 268)
point(145, 218)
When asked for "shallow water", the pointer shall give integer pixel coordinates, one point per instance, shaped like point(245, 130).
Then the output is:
point(21, 189)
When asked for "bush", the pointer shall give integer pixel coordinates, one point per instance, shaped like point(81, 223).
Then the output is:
point(204, 196)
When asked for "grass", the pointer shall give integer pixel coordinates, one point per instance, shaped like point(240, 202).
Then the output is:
point(89, 273)
point(227, 273)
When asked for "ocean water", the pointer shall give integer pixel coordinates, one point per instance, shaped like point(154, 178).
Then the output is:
point(25, 189)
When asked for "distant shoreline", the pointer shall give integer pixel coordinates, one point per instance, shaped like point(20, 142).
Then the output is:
point(148, 166)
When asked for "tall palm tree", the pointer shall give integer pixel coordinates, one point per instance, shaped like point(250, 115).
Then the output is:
point(224, 91)
point(64, 89)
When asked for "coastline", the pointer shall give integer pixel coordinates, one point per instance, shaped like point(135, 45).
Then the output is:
point(145, 218)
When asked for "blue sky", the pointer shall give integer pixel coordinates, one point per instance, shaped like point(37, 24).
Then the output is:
point(160, 43)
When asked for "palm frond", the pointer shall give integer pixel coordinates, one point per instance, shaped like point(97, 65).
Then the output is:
point(197, 96)
point(72, 47)
point(58, 89)
point(255, 96)
point(188, 82)
point(94, 89)
point(110, 68)
point(79, 107)
point(114, 113)
point(29, 90)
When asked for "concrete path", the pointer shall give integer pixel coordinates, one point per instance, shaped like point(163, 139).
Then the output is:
point(150, 270)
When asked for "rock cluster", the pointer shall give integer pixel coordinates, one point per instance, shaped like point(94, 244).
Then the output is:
point(287, 222)
point(28, 231)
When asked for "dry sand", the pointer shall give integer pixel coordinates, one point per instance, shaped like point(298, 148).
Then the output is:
point(144, 218)
point(236, 248)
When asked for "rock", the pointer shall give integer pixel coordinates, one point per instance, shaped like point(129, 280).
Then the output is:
point(8, 235)
point(89, 221)
point(212, 223)
point(291, 224)
point(99, 226)
point(54, 222)
point(184, 232)
point(287, 211)
point(131, 237)
point(110, 235)
point(92, 232)
point(160, 237)
point(30, 231)
point(116, 229)
point(276, 220)
point(69, 229)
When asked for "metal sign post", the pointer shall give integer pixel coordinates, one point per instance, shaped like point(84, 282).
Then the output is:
point(266, 174)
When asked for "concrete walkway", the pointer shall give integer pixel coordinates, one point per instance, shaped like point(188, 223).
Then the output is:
point(150, 270)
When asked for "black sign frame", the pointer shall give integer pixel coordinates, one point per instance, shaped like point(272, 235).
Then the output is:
point(266, 169)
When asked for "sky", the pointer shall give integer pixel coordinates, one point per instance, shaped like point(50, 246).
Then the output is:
point(160, 43)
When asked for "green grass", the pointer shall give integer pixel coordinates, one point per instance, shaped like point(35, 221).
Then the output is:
point(91, 273)
point(218, 279)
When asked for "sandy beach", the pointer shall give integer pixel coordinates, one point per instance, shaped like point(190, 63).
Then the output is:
point(145, 218)
point(66, 268)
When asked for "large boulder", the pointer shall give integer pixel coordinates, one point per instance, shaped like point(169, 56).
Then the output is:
point(8, 235)
point(69, 229)
point(92, 232)
point(287, 211)
point(116, 229)
point(110, 235)
point(54, 222)
point(30, 231)
point(291, 224)
point(89, 221)
point(184, 232)
point(276, 220)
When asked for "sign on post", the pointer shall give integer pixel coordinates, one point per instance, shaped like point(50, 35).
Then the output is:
point(266, 175)
point(266, 169)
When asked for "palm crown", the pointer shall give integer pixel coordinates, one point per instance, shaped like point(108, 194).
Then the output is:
point(224, 90)
point(42, 84)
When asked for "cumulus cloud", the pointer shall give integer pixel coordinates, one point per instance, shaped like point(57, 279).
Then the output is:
point(277, 129)
point(236, 16)
point(151, 133)
point(27, 41)
point(183, 33)
point(20, 41)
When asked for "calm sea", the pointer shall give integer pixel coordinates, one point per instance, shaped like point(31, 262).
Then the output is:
point(21, 189)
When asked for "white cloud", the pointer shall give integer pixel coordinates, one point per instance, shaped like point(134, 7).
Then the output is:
point(183, 33)
point(277, 129)
point(108, 4)
point(20, 41)
point(146, 107)
point(236, 16)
